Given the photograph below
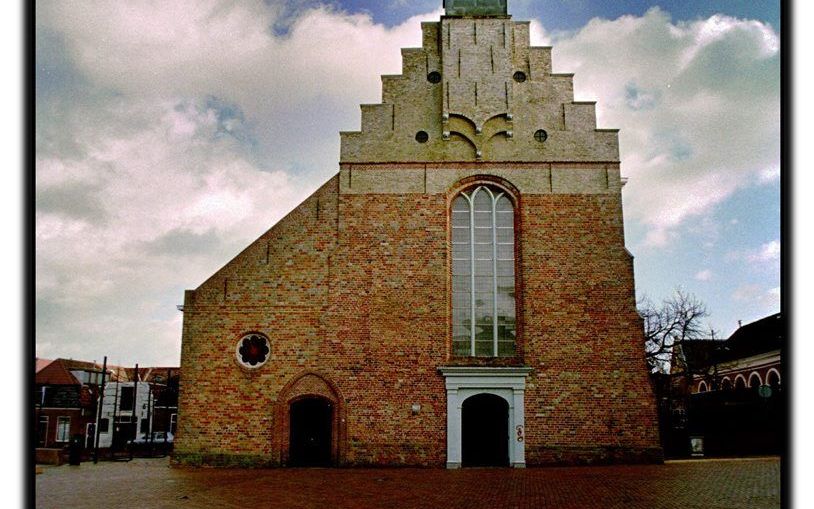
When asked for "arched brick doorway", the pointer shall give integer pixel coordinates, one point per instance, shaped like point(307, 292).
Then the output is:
point(485, 431)
point(310, 422)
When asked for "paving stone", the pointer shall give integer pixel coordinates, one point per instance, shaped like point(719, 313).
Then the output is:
point(707, 484)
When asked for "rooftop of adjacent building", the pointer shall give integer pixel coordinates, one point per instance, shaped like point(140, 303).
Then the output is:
point(755, 338)
point(63, 372)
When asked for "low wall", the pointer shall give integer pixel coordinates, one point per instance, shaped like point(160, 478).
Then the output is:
point(50, 456)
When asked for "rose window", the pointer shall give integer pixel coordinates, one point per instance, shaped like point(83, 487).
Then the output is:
point(253, 350)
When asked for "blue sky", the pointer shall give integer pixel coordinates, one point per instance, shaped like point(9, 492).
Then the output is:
point(169, 136)
point(573, 14)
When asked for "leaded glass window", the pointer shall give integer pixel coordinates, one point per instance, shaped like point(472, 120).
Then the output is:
point(483, 299)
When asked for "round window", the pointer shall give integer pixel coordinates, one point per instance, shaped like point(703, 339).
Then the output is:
point(422, 136)
point(253, 350)
point(519, 76)
point(434, 77)
point(540, 135)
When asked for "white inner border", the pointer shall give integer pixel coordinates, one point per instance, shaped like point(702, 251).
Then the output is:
point(463, 382)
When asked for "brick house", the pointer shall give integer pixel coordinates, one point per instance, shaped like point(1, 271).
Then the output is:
point(458, 294)
point(67, 398)
point(66, 392)
point(749, 358)
point(729, 393)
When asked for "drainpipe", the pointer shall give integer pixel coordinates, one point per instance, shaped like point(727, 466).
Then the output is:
point(135, 417)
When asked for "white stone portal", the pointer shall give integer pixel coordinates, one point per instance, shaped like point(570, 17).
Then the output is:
point(508, 383)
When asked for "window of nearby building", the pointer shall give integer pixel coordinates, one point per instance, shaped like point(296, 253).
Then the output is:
point(773, 379)
point(702, 387)
point(173, 423)
point(42, 431)
point(726, 384)
point(104, 425)
point(483, 283)
point(754, 381)
point(63, 429)
point(740, 383)
point(126, 398)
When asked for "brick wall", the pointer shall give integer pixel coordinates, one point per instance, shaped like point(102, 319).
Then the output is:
point(360, 296)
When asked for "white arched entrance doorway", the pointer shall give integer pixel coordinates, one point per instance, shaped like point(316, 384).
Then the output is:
point(508, 384)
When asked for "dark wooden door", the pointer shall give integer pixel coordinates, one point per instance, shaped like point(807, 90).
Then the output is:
point(311, 423)
point(485, 431)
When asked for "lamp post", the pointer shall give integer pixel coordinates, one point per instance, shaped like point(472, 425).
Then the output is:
point(99, 412)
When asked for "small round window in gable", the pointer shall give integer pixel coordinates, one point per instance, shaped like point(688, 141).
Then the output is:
point(253, 350)
point(422, 136)
point(519, 76)
point(540, 135)
point(434, 77)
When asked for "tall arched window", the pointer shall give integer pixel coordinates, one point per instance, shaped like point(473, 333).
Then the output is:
point(483, 297)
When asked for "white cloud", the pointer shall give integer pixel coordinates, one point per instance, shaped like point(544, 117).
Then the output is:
point(704, 275)
point(770, 174)
point(697, 104)
point(172, 180)
point(753, 296)
point(184, 131)
point(768, 252)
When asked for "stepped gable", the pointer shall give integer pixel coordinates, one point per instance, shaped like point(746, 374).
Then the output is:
point(480, 92)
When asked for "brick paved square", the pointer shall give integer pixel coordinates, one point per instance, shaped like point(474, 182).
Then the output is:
point(705, 484)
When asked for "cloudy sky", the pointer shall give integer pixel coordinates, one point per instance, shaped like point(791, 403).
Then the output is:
point(169, 135)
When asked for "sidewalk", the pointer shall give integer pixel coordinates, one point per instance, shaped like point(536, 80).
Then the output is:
point(752, 483)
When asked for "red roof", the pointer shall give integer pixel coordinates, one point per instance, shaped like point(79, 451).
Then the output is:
point(58, 372)
point(55, 373)
point(41, 363)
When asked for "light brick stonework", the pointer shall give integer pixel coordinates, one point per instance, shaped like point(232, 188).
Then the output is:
point(353, 288)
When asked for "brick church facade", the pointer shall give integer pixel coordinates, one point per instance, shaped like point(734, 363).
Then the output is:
point(458, 294)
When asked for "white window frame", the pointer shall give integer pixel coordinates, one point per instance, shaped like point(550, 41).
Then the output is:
point(63, 426)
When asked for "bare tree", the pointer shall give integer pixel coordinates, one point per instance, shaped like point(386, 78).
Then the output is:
point(677, 319)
